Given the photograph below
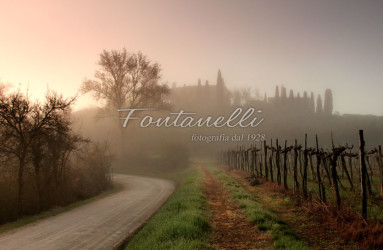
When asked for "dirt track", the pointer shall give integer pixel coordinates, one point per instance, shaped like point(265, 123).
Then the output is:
point(232, 230)
point(97, 225)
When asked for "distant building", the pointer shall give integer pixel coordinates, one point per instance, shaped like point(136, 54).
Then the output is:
point(296, 103)
point(207, 98)
point(201, 98)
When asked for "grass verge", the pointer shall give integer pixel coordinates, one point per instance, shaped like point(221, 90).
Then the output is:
point(181, 223)
point(52, 212)
point(264, 219)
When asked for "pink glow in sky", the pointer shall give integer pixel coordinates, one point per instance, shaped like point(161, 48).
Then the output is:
point(301, 44)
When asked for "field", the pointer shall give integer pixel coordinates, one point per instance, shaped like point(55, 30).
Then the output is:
point(217, 207)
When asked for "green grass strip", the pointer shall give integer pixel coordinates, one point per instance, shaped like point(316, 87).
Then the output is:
point(181, 223)
point(264, 219)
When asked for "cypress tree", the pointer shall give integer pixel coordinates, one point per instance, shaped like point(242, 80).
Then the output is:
point(328, 106)
point(319, 108)
point(312, 103)
point(276, 92)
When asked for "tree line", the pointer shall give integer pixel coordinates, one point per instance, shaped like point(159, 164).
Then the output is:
point(44, 163)
point(305, 101)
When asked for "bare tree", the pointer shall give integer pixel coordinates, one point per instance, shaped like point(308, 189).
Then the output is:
point(50, 153)
point(241, 97)
point(96, 163)
point(126, 80)
point(22, 122)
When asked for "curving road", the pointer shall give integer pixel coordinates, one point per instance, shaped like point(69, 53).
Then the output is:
point(98, 225)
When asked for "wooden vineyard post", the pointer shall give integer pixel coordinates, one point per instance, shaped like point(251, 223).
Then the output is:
point(255, 162)
point(241, 159)
point(369, 188)
point(237, 165)
point(252, 151)
point(245, 159)
point(350, 164)
point(345, 170)
point(380, 169)
point(285, 166)
point(305, 163)
point(235, 159)
point(260, 160)
point(238, 157)
point(327, 171)
point(335, 179)
point(335, 154)
point(300, 161)
point(312, 165)
point(363, 174)
point(321, 188)
point(296, 183)
point(271, 162)
point(278, 163)
point(265, 152)
point(243, 154)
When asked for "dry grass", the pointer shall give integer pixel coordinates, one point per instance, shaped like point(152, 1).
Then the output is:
point(343, 227)
point(348, 224)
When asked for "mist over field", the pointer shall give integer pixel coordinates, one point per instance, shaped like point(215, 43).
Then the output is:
point(303, 47)
point(285, 117)
point(94, 90)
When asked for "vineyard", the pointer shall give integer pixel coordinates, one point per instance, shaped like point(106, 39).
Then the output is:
point(334, 177)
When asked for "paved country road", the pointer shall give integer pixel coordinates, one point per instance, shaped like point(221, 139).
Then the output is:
point(97, 225)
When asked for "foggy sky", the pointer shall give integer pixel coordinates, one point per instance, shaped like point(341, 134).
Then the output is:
point(301, 44)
